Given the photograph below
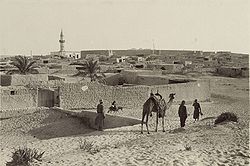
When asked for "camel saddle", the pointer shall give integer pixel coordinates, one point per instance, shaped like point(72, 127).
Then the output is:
point(161, 106)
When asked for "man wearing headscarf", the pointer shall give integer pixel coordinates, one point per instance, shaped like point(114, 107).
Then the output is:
point(182, 113)
point(197, 110)
point(100, 116)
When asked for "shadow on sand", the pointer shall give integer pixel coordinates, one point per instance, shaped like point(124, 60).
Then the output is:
point(178, 130)
point(60, 124)
point(63, 127)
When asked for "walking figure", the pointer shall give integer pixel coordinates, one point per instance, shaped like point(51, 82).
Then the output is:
point(182, 113)
point(197, 110)
point(99, 120)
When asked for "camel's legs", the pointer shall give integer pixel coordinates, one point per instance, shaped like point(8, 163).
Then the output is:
point(163, 129)
point(147, 123)
point(157, 119)
point(142, 121)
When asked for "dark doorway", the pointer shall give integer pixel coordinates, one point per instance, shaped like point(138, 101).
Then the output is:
point(46, 98)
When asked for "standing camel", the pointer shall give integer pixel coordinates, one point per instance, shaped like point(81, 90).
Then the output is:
point(156, 105)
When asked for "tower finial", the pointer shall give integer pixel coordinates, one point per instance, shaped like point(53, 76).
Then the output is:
point(61, 32)
point(61, 41)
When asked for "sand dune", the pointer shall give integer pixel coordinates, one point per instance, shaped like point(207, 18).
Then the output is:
point(200, 143)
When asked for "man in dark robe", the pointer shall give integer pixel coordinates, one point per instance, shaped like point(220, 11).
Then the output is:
point(182, 113)
point(100, 116)
point(197, 110)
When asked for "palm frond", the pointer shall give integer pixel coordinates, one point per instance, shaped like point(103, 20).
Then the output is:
point(93, 67)
point(33, 71)
point(19, 63)
point(23, 64)
point(25, 61)
point(14, 71)
point(90, 69)
point(29, 66)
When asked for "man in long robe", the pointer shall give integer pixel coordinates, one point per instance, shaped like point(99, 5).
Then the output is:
point(197, 110)
point(182, 113)
point(99, 121)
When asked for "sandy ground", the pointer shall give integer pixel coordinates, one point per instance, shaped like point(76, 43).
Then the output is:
point(60, 136)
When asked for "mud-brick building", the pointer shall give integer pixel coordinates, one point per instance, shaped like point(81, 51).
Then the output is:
point(233, 71)
point(131, 94)
point(17, 97)
point(28, 91)
point(168, 68)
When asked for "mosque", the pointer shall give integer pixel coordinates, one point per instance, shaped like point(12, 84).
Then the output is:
point(63, 53)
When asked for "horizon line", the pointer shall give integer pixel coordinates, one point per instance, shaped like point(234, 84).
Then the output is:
point(216, 51)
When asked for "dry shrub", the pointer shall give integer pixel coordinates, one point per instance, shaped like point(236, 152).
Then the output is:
point(88, 146)
point(24, 156)
point(188, 147)
point(226, 116)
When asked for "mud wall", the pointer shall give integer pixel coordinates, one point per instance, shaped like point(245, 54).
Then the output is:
point(18, 98)
point(73, 97)
point(20, 80)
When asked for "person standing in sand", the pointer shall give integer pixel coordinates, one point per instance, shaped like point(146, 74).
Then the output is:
point(99, 120)
point(197, 110)
point(182, 113)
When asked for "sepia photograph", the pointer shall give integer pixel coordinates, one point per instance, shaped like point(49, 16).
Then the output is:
point(124, 82)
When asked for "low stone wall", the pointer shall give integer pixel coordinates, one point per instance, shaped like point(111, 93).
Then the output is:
point(152, 80)
point(73, 97)
point(115, 79)
point(229, 72)
point(167, 68)
point(18, 98)
point(87, 95)
point(130, 76)
point(20, 80)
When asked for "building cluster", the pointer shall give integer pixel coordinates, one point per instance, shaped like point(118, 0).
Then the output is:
point(169, 61)
point(127, 72)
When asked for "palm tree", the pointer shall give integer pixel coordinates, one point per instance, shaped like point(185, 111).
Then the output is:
point(23, 66)
point(90, 68)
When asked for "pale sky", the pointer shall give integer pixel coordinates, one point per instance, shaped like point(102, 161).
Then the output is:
point(35, 25)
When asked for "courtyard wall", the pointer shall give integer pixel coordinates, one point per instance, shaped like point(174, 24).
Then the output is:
point(73, 97)
point(131, 75)
point(18, 97)
point(87, 95)
point(24, 97)
point(20, 80)
point(152, 80)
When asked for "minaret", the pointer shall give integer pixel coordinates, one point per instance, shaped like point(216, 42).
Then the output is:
point(61, 41)
point(153, 46)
